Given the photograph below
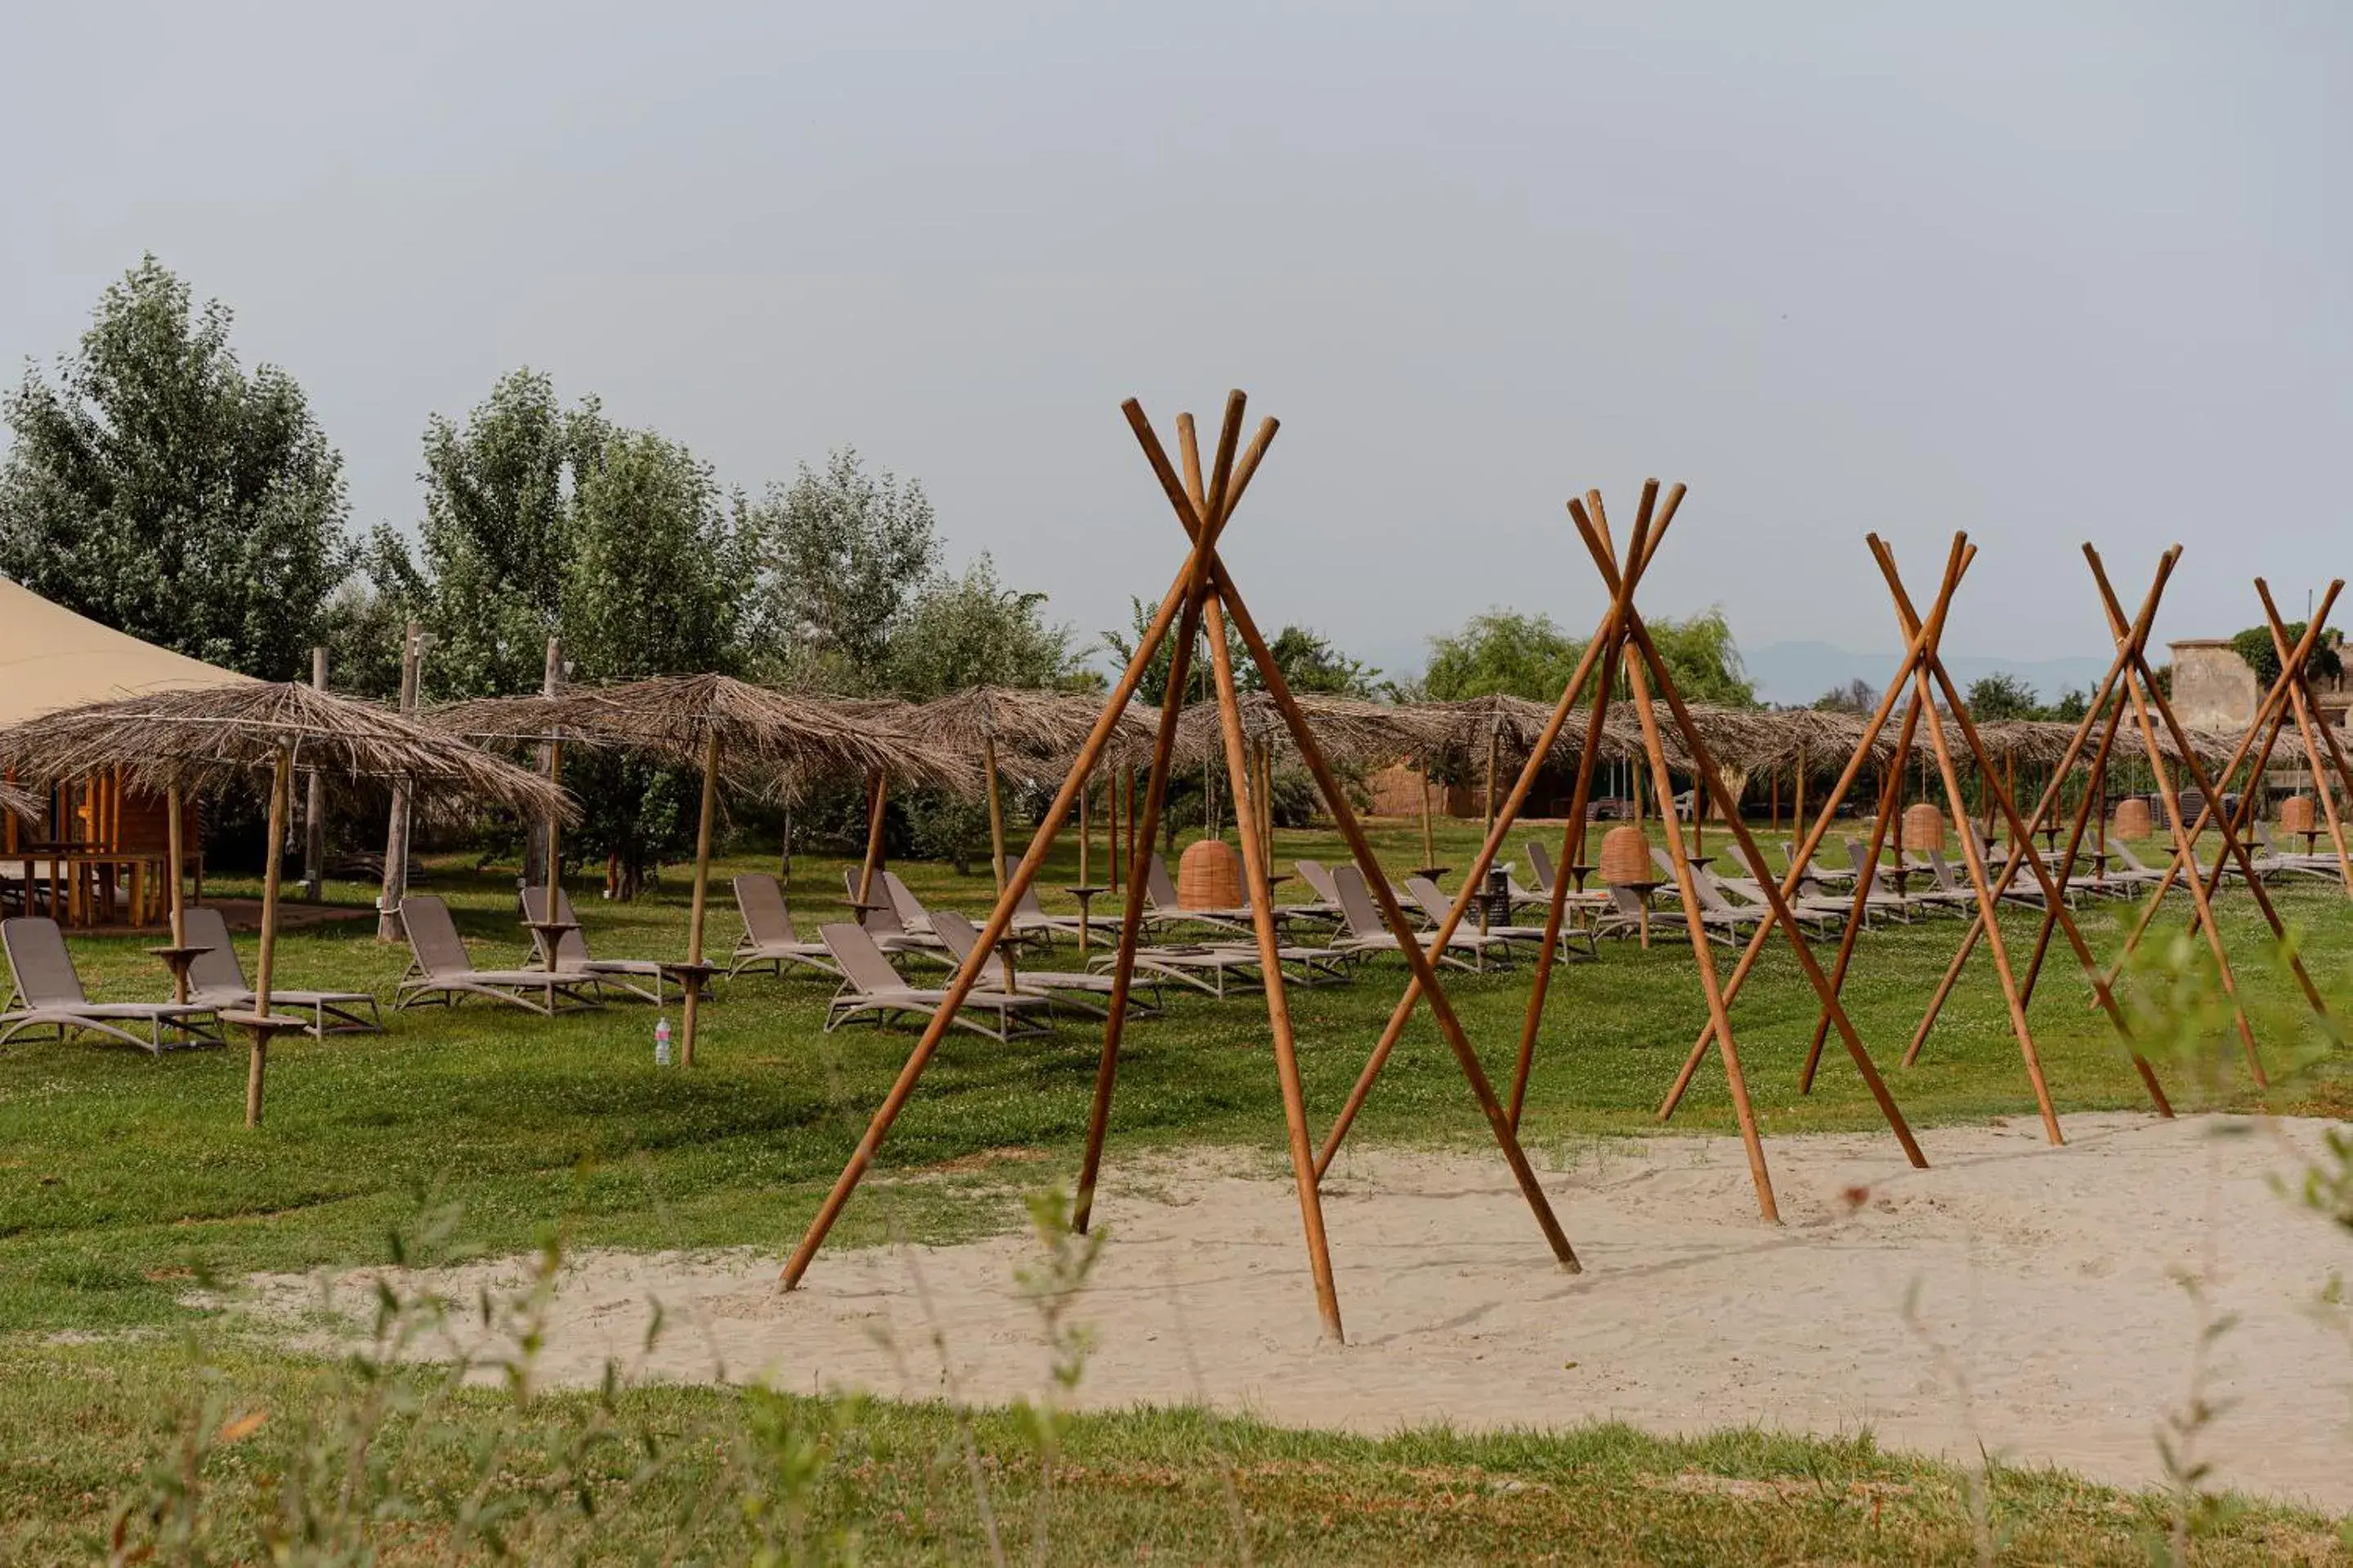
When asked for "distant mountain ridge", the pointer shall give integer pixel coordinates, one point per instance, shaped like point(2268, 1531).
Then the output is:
point(1798, 672)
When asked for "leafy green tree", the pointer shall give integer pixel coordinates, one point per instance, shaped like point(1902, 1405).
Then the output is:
point(1855, 697)
point(1310, 663)
point(839, 554)
point(1153, 687)
point(498, 539)
point(956, 633)
point(2072, 704)
point(2254, 644)
point(2002, 695)
point(1501, 651)
point(654, 580)
point(960, 632)
point(1528, 656)
point(158, 488)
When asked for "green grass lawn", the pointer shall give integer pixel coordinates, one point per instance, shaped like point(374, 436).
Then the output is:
point(122, 1177)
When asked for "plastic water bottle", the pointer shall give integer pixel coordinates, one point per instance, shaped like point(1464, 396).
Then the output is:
point(661, 1043)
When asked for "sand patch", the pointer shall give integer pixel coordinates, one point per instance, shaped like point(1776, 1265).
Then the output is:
point(2042, 1281)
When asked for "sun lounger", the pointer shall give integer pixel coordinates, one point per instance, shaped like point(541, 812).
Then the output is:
point(880, 920)
point(871, 989)
point(216, 979)
point(1819, 913)
point(48, 993)
point(1627, 916)
point(572, 956)
point(1363, 934)
point(441, 971)
point(768, 935)
point(1436, 906)
point(1055, 984)
point(1032, 923)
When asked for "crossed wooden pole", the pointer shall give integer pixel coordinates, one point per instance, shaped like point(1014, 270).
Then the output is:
point(1202, 597)
point(1924, 675)
point(2131, 687)
point(2289, 699)
point(1623, 642)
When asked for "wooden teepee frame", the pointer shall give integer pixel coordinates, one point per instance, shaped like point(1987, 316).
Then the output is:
point(2135, 690)
point(1623, 643)
point(1924, 674)
point(1202, 598)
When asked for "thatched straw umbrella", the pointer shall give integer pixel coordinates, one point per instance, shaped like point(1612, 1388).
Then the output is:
point(1009, 723)
point(1348, 730)
point(21, 803)
point(183, 741)
point(775, 740)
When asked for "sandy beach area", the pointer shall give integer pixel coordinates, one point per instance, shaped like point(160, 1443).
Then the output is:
point(2046, 1318)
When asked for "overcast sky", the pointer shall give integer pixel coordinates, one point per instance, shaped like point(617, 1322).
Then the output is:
point(1838, 267)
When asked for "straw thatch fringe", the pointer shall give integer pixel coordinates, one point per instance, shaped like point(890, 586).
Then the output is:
point(200, 742)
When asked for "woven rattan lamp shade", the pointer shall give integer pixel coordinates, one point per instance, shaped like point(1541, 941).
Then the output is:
point(2296, 815)
point(1208, 876)
point(1625, 856)
point(1924, 826)
point(2132, 819)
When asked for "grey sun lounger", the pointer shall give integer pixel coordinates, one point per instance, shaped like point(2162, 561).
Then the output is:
point(48, 993)
point(1055, 984)
point(881, 922)
point(440, 969)
point(1436, 906)
point(572, 956)
point(1363, 934)
point(768, 936)
point(1160, 898)
point(1222, 968)
point(871, 989)
point(216, 979)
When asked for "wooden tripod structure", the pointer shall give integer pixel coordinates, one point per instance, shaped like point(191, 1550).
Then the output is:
point(1202, 598)
point(1923, 675)
point(1623, 642)
point(2131, 687)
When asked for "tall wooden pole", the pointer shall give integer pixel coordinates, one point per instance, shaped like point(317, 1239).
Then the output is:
point(314, 807)
point(995, 811)
point(174, 832)
point(701, 893)
point(396, 837)
point(1182, 593)
point(281, 786)
point(875, 786)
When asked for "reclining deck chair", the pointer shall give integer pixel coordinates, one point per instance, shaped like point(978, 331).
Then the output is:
point(216, 979)
point(768, 935)
point(441, 970)
point(572, 955)
point(871, 988)
point(47, 992)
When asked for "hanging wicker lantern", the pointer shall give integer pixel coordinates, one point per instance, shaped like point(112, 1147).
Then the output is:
point(2296, 815)
point(2132, 819)
point(1208, 876)
point(1626, 858)
point(1924, 826)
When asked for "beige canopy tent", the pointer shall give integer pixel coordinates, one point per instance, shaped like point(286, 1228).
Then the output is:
point(101, 841)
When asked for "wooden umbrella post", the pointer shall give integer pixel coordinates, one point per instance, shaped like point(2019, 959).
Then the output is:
point(692, 981)
point(554, 847)
point(314, 808)
point(1181, 594)
point(396, 839)
point(176, 849)
point(1428, 838)
point(996, 812)
point(265, 967)
point(876, 787)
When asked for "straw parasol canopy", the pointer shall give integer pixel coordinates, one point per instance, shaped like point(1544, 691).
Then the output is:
point(199, 742)
point(1350, 731)
point(21, 803)
point(203, 739)
point(776, 740)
